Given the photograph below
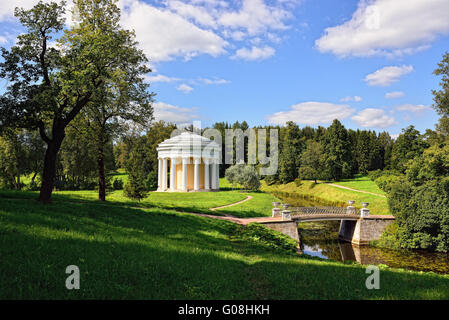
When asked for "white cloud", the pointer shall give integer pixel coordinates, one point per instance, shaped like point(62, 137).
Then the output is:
point(213, 81)
point(174, 114)
point(7, 7)
point(255, 53)
point(374, 118)
point(415, 108)
point(199, 14)
point(164, 35)
point(161, 78)
point(386, 27)
point(349, 98)
point(172, 29)
point(184, 88)
point(256, 17)
point(394, 95)
point(312, 113)
point(387, 75)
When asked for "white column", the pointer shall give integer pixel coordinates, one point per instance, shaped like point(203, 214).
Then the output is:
point(184, 173)
point(159, 174)
point(196, 177)
point(217, 167)
point(214, 175)
point(173, 174)
point(164, 174)
point(206, 175)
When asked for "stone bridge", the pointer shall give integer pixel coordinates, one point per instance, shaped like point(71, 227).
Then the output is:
point(356, 226)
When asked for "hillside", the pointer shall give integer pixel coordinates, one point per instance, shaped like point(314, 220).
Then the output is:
point(146, 252)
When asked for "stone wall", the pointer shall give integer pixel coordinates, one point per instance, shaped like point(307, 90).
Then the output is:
point(289, 228)
point(363, 230)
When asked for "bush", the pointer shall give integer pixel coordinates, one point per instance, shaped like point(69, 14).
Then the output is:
point(385, 182)
point(244, 175)
point(117, 184)
point(135, 189)
point(151, 181)
point(421, 214)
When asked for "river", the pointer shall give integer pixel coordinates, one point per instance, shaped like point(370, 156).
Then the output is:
point(320, 239)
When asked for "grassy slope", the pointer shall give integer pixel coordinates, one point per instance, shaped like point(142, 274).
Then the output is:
point(378, 204)
point(155, 253)
point(363, 183)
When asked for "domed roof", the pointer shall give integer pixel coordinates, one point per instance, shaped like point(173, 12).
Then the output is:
point(188, 144)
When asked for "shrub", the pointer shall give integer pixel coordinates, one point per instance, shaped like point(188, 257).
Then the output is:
point(298, 182)
point(151, 181)
point(117, 184)
point(244, 175)
point(385, 182)
point(421, 214)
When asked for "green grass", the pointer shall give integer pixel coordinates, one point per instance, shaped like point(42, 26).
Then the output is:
point(125, 252)
point(362, 183)
point(259, 206)
point(377, 204)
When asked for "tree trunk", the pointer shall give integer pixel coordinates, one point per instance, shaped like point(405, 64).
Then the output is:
point(34, 177)
point(49, 172)
point(101, 176)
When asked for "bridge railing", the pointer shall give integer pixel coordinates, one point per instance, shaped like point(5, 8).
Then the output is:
point(323, 210)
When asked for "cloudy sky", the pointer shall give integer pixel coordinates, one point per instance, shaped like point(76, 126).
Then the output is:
point(367, 63)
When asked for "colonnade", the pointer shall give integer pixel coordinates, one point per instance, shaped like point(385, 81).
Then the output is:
point(211, 174)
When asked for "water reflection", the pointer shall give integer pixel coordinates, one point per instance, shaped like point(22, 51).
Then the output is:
point(320, 239)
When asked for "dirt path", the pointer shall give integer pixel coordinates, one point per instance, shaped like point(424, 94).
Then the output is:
point(347, 188)
point(232, 204)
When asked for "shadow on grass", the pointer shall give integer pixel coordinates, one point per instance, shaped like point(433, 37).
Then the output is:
point(132, 253)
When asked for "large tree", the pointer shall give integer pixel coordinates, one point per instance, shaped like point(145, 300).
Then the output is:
point(337, 148)
point(312, 160)
point(50, 85)
point(290, 155)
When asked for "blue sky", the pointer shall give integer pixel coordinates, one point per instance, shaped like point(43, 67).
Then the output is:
point(368, 63)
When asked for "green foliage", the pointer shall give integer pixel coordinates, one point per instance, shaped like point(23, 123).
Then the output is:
point(409, 145)
point(386, 182)
point(312, 160)
point(338, 164)
point(298, 182)
point(441, 97)
point(420, 200)
point(135, 188)
point(421, 214)
point(289, 157)
point(151, 181)
point(245, 176)
point(117, 184)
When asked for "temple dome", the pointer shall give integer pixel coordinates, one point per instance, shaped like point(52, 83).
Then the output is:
point(188, 162)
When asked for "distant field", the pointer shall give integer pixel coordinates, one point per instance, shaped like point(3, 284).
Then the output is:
point(361, 183)
point(378, 204)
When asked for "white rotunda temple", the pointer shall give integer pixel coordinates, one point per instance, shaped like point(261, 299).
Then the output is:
point(188, 162)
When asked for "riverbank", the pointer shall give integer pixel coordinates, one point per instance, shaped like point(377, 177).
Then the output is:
point(125, 252)
point(367, 191)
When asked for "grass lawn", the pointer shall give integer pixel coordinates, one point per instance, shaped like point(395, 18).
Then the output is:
point(260, 205)
point(377, 204)
point(361, 182)
point(158, 253)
